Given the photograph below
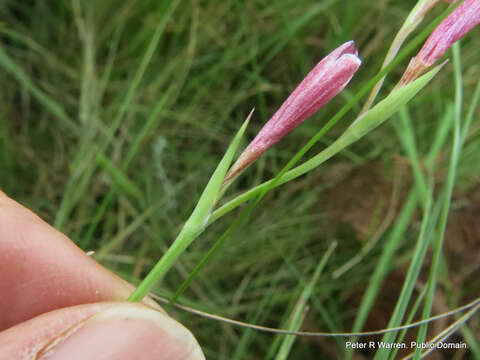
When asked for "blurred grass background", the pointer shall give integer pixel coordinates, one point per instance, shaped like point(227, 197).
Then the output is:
point(114, 114)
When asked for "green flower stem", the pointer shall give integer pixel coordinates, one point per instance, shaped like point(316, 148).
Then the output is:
point(186, 236)
point(196, 222)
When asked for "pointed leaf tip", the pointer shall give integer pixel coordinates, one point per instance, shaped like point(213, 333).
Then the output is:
point(387, 107)
point(250, 114)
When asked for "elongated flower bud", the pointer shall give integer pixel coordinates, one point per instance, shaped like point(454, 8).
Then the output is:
point(326, 80)
point(463, 19)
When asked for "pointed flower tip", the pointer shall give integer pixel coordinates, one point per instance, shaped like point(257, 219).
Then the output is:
point(350, 47)
point(325, 80)
point(346, 49)
point(344, 57)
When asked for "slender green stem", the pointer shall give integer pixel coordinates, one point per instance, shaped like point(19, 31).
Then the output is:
point(195, 224)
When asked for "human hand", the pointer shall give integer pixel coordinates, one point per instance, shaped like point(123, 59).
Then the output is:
point(58, 303)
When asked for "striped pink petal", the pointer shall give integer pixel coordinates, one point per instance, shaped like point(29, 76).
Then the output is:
point(463, 19)
point(327, 79)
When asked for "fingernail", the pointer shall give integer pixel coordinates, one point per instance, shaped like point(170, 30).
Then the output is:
point(129, 331)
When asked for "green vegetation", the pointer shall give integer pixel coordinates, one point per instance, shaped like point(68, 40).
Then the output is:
point(114, 116)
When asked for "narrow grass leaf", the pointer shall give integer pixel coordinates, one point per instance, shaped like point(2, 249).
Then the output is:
point(118, 177)
point(121, 236)
point(413, 271)
point(263, 311)
point(149, 125)
point(383, 266)
point(410, 317)
point(386, 108)
point(391, 244)
point(300, 309)
point(406, 134)
point(73, 192)
point(449, 186)
point(53, 107)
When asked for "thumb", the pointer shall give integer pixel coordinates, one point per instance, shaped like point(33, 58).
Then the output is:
point(101, 331)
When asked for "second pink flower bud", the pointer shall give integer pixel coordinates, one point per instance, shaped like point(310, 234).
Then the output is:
point(327, 79)
point(456, 25)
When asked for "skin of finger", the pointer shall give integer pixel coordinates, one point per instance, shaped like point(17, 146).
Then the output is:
point(25, 340)
point(42, 270)
point(101, 331)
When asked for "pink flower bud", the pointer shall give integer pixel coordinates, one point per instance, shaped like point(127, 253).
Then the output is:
point(326, 80)
point(463, 19)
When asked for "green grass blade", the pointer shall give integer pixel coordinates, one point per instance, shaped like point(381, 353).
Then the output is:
point(406, 134)
point(412, 274)
point(410, 317)
point(449, 186)
point(383, 266)
point(73, 193)
point(121, 236)
point(445, 124)
point(119, 178)
point(149, 125)
point(262, 313)
point(53, 107)
point(299, 310)
point(471, 112)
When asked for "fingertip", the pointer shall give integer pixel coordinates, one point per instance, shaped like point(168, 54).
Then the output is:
point(41, 269)
point(125, 331)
